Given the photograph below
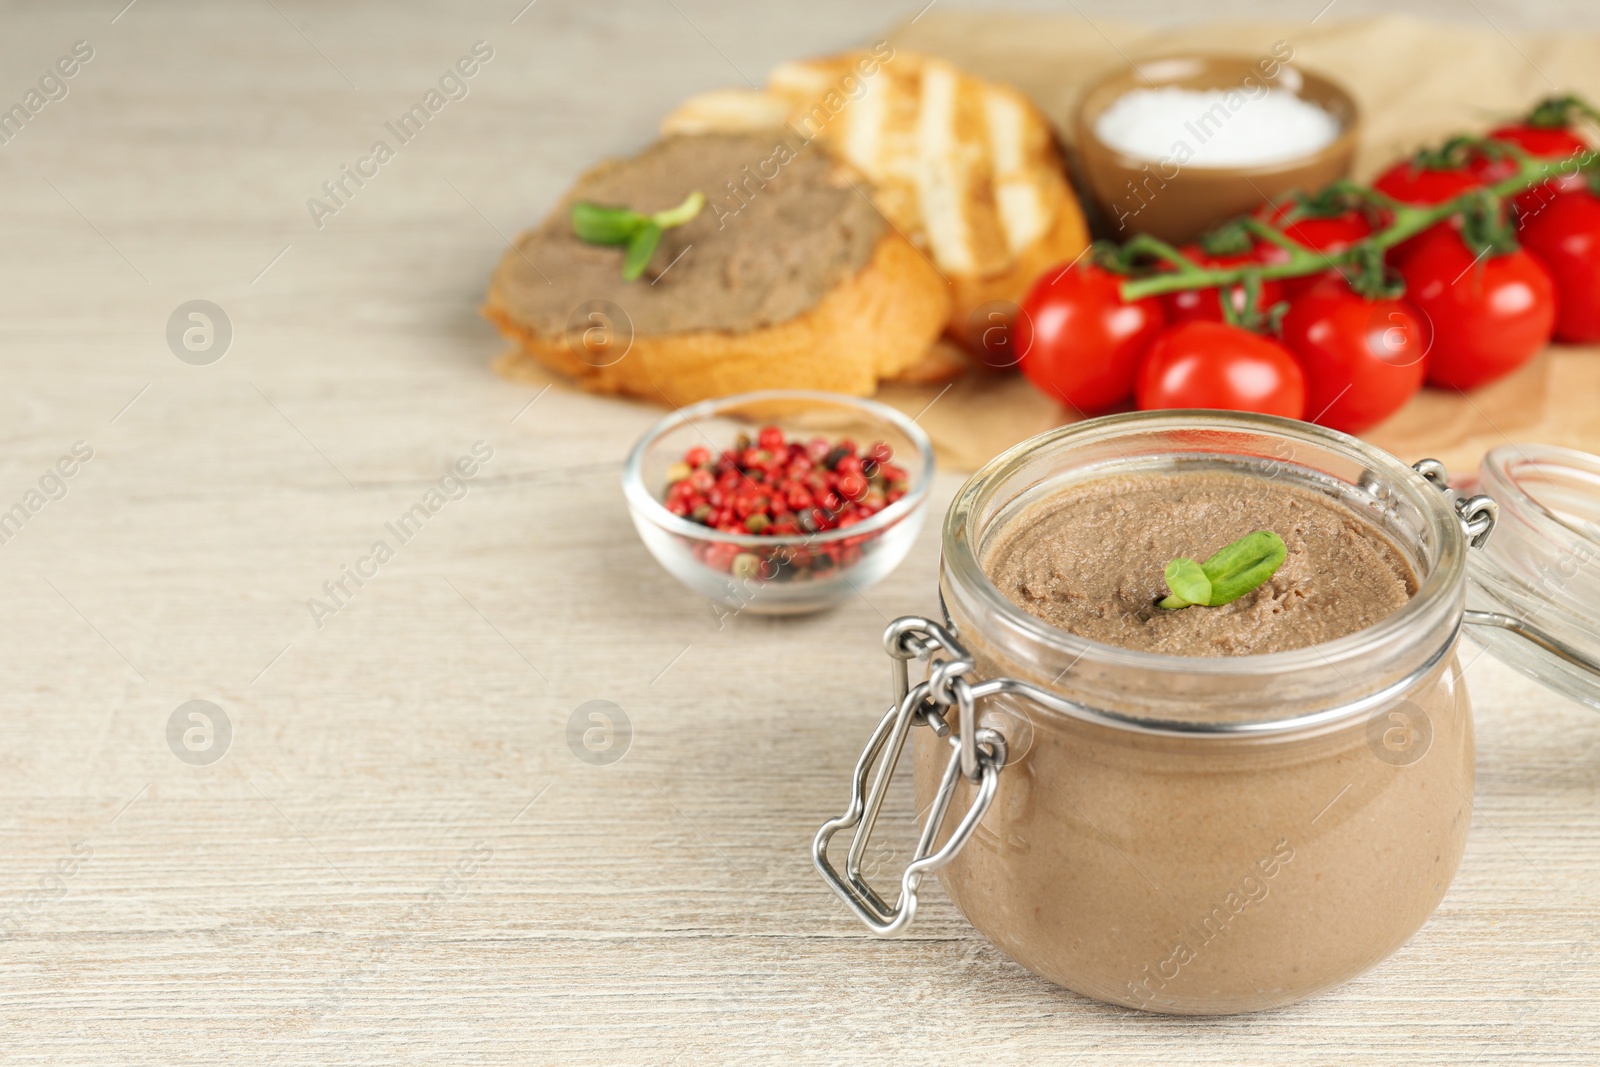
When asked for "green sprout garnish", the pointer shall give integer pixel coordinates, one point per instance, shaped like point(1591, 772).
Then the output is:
point(1226, 576)
point(601, 225)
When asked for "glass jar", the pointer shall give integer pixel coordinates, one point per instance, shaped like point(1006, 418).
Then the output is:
point(1193, 835)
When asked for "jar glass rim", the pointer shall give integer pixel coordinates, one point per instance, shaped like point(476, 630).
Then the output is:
point(1540, 564)
point(1443, 578)
point(1506, 469)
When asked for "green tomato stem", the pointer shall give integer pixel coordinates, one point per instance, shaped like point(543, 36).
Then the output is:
point(1406, 221)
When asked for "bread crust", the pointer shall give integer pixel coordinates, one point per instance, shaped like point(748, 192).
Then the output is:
point(875, 325)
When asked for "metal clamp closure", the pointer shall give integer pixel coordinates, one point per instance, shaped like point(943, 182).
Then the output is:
point(1477, 513)
point(979, 755)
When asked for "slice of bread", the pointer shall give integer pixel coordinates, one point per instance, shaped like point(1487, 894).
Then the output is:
point(966, 169)
point(787, 279)
point(875, 326)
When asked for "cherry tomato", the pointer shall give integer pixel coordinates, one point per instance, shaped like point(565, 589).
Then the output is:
point(1080, 341)
point(1412, 183)
point(1487, 318)
point(1546, 142)
point(1212, 365)
point(1330, 235)
point(1362, 358)
point(1194, 305)
point(1565, 239)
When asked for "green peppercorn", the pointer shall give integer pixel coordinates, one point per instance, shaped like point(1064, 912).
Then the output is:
point(745, 565)
point(756, 523)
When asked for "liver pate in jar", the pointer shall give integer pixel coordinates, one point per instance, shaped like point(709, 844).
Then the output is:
point(1198, 811)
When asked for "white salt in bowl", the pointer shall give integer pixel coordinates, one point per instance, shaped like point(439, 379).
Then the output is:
point(1262, 127)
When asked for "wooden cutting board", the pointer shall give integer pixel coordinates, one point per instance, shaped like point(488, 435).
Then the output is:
point(1416, 82)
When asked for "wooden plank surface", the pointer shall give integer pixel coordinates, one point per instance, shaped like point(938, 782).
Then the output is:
point(399, 857)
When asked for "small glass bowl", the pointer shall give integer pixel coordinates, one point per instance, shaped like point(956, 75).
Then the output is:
point(787, 574)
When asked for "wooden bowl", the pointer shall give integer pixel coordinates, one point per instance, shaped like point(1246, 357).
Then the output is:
point(1179, 202)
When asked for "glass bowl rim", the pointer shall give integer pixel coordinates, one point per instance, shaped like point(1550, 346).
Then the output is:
point(646, 505)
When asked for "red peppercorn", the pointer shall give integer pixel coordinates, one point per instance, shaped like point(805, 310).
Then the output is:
point(774, 487)
point(719, 555)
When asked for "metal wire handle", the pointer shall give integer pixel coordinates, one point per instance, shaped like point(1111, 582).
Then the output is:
point(979, 755)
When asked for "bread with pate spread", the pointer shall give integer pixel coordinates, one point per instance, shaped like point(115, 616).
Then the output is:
point(789, 278)
point(967, 169)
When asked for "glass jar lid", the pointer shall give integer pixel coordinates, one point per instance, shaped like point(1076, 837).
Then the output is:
point(1533, 587)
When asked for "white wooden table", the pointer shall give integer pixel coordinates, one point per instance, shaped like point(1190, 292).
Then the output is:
point(398, 855)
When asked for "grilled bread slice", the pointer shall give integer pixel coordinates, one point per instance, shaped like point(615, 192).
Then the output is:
point(789, 278)
point(965, 168)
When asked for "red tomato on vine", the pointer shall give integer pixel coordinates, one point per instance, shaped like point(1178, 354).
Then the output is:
point(1565, 238)
point(1079, 340)
point(1546, 133)
point(1363, 359)
point(1212, 365)
point(1487, 314)
point(1194, 305)
point(1419, 181)
point(1328, 234)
